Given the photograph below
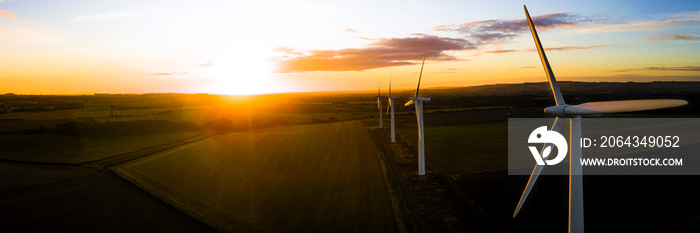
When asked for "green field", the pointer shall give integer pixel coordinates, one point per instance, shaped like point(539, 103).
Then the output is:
point(467, 109)
point(53, 148)
point(320, 178)
point(463, 149)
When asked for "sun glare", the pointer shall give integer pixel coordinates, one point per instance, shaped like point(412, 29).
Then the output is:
point(243, 76)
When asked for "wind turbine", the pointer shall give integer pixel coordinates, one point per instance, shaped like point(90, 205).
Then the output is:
point(419, 115)
point(379, 106)
point(574, 113)
point(391, 105)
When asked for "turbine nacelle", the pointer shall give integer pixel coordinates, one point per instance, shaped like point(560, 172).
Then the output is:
point(420, 98)
point(575, 112)
point(566, 110)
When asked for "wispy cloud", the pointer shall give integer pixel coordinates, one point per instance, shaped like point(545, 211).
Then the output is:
point(669, 36)
point(526, 67)
point(473, 36)
point(503, 51)
point(502, 30)
point(677, 68)
point(645, 26)
point(169, 73)
point(547, 49)
point(449, 71)
point(383, 52)
point(208, 64)
point(106, 16)
point(18, 35)
point(5, 14)
point(678, 19)
point(289, 51)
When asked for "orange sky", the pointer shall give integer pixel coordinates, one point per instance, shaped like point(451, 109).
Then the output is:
point(266, 47)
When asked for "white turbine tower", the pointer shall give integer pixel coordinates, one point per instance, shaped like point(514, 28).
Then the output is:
point(419, 115)
point(391, 105)
point(574, 113)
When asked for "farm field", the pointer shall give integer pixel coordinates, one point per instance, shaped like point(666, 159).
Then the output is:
point(297, 163)
point(468, 161)
point(311, 178)
point(55, 198)
point(52, 148)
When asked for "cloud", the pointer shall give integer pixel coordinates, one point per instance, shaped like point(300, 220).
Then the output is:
point(677, 19)
point(498, 31)
point(526, 67)
point(5, 14)
point(170, 73)
point(287, 50)
point(566, 48)
point(668, 36)
point(645, 26)
point(383, 52)
point(677, 68)
point(387, 52)
point(350, 30)
point(105, 16)
point(449, 70)
point(547, 49)
point(18, 35)
point(503, 51)
point(207, 64)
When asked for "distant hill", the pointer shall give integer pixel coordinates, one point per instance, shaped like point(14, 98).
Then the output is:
point(540, 95)
point(568, 87)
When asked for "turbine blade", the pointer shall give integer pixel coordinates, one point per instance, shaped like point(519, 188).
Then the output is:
point(420, 76)
point(408, 103)
point(390, 83)
point(389, 105)
point(379, 104)
point(545, 63)
point(536, 171)
point(622, 106)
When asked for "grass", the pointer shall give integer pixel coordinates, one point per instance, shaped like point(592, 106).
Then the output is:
point(467, 109)
point(457, 132)
point(320, 178)
point(49, 148)
point(10, 125)
point(463, 149)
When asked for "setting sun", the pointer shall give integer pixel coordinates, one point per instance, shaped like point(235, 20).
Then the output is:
point(349, 116)
point(244, 48)
point(239, 76)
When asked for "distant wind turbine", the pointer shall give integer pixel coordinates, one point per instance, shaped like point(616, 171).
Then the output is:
point(379, 106)
point(574, 113)
point(391, 105)
point(418, 101)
